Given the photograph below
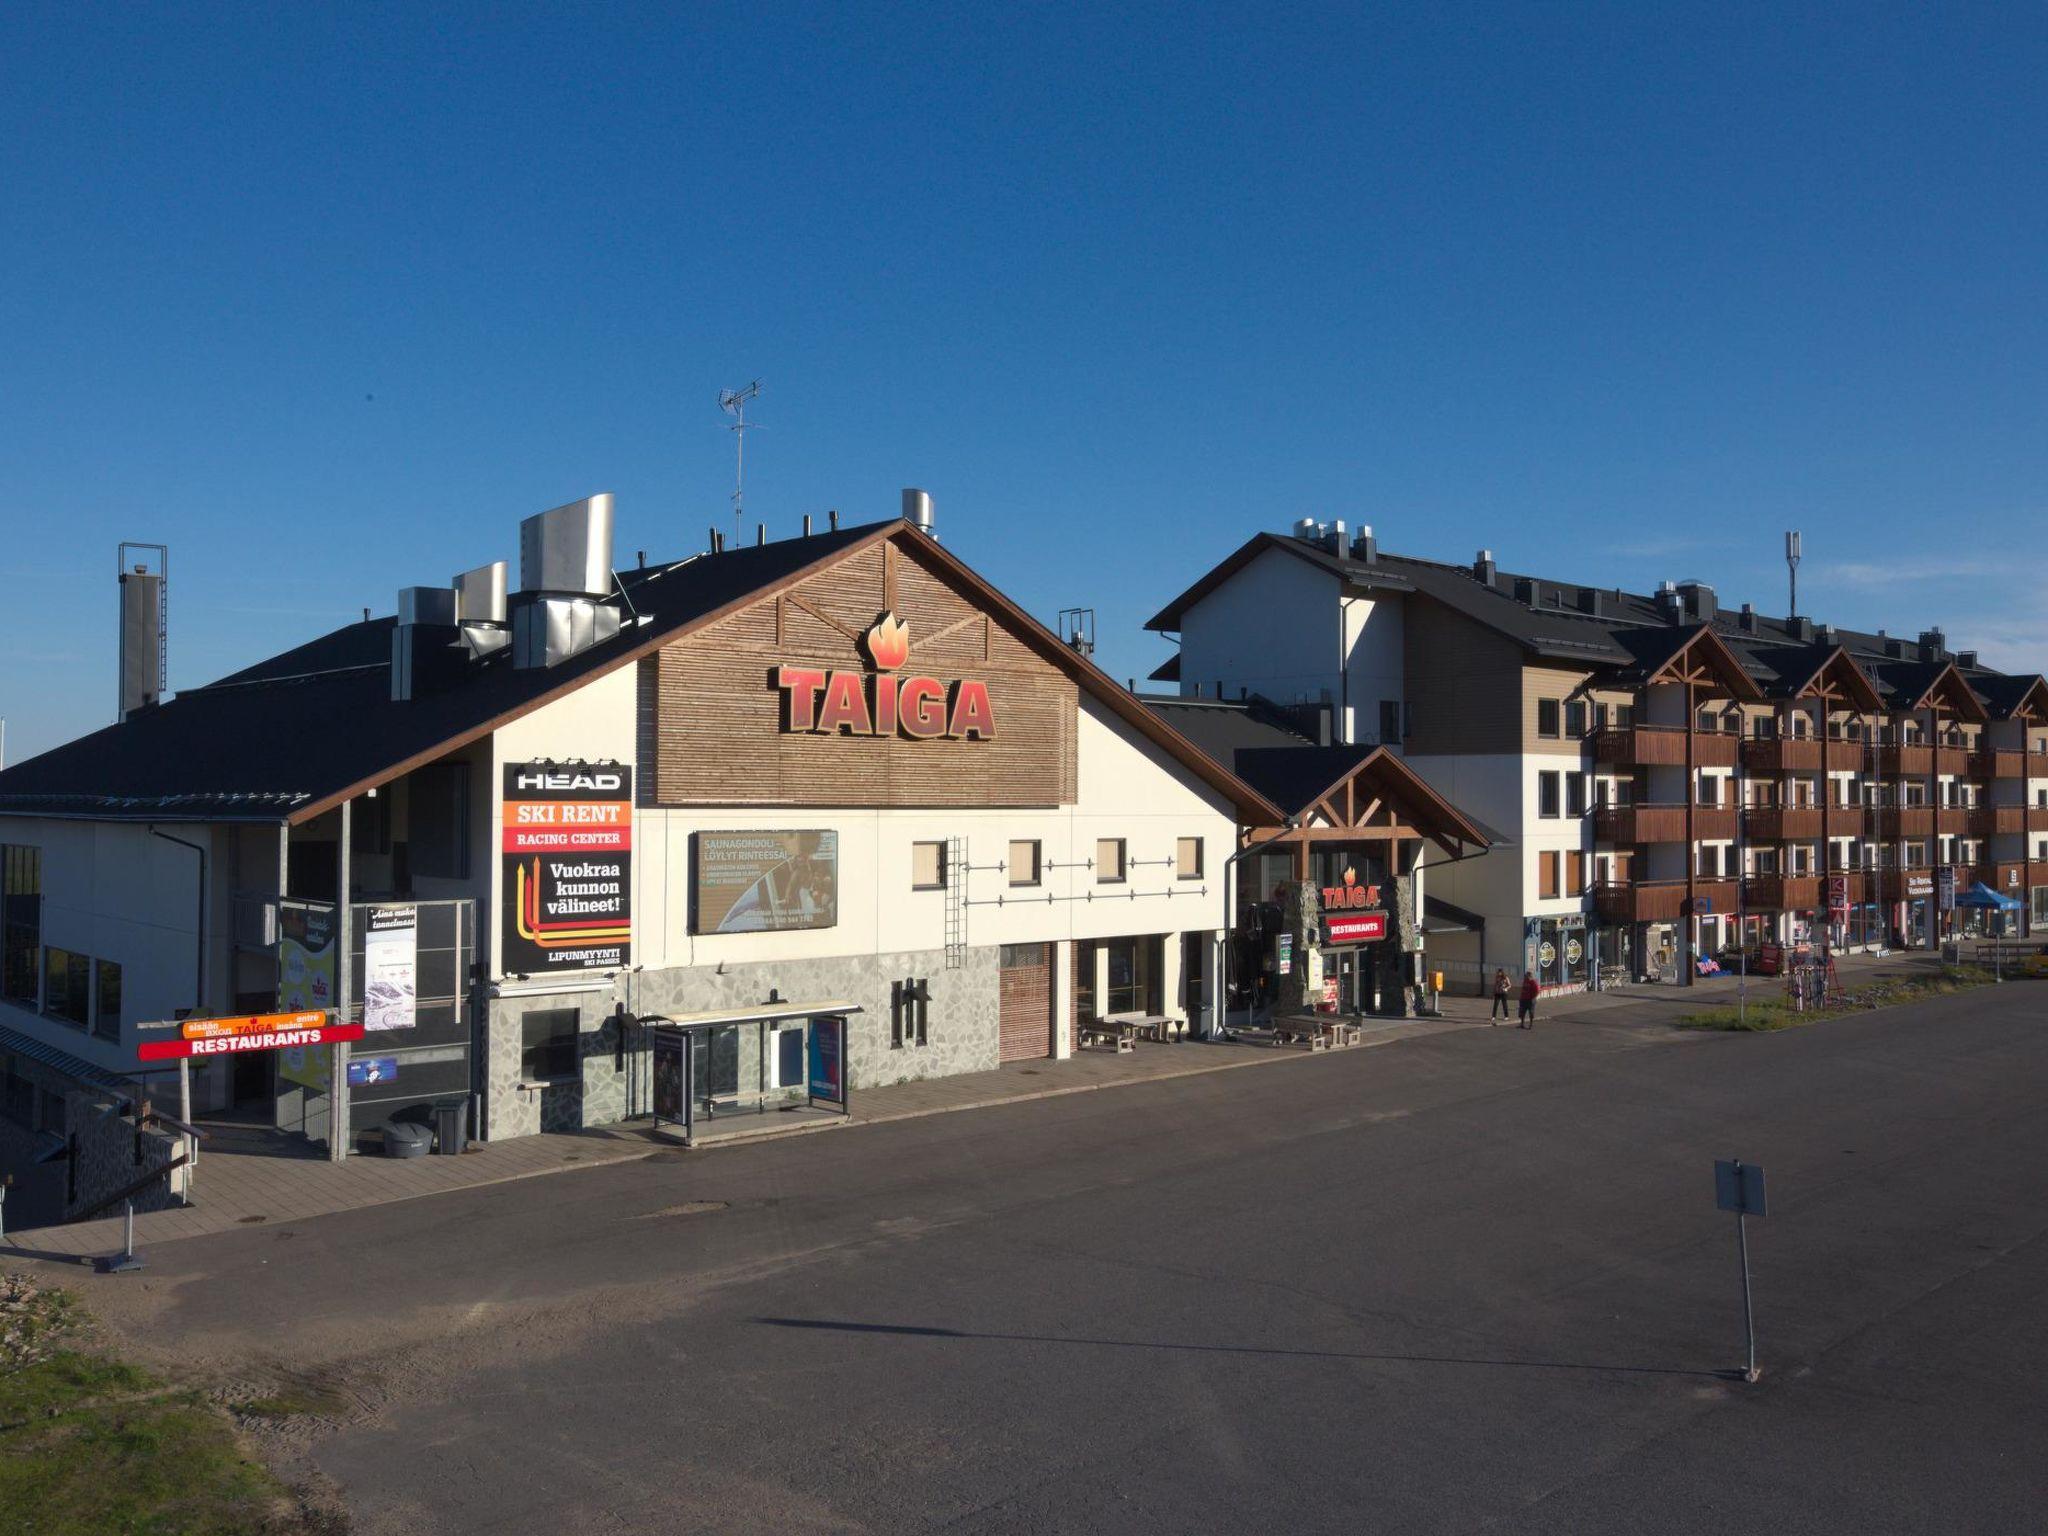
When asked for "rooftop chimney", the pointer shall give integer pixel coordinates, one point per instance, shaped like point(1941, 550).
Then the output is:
point(1333, 537)
point(1700, 602)
point(1589, 601)
point(1482, 568)
point(1933, 645)
point(1525, 591)
point(1365, 547)
point(1747, 618)
point(1967, 660)
point(1307, 529)
point(480, 608)
point(143, 627)
point(917, 510)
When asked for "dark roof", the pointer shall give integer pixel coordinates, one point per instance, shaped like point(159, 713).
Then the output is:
point(1224, 727)
point(272, 739)
point(1576, 624)
point(291, 736)
point(1294, 778)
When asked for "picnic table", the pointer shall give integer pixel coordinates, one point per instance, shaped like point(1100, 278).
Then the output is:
point(1319, 1032)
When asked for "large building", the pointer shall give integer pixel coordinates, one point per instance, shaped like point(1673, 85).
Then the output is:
point(1661, 774)
point(836, 777)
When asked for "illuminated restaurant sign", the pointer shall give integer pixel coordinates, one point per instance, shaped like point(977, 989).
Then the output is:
point(1350, 895)
point(829, 702)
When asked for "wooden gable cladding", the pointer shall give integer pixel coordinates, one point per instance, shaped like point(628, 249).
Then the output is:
point(717, 732)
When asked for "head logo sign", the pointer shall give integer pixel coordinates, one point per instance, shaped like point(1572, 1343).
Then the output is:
point(567, 845)
point(831, 703)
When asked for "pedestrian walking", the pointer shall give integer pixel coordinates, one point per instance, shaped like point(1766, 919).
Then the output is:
point(1501, 988)
point(1530, 991)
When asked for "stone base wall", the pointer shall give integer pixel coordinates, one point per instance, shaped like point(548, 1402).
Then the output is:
point(962, 1032)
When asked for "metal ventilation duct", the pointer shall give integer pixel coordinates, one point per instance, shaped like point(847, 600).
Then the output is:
point(568, 549)
point(917, 509)
point(549, 630)
point(480, 594)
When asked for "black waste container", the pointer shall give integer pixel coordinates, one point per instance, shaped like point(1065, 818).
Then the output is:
point(451, 1125)
point(406, 1138)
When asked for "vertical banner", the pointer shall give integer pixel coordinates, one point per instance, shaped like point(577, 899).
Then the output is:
point(828, 1060)
point(305, 982)
point(391, 968)
point(566, 840)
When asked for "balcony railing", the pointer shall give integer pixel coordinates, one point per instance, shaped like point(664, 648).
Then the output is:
point(1782, 754)
point(1782, 823)
point(1896, 821)
point(1663, 746)
point(1905, 759)
point(1782, 893)
point(1989, 820)
point(1659, 901)
point(1998, 763)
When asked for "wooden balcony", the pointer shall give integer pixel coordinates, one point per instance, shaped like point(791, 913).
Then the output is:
point(1847, 754)
point(1782, 893)
point(2011, 877)
point(1894, 821)
point(1658, 901)
point(1988, 820)
point(1784, 823)
point(1784, 754)
point(1954, 758)
point(1662, 823)
point(1663, 746)
point(1902, 760)
point(1952, 819)
point(1998, 763)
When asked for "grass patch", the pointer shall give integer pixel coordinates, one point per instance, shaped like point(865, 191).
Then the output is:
point(90, 1445)
point(1771, 1012)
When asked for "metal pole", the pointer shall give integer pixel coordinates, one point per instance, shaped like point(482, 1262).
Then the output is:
point(1748, 1313)
point(337, 1053)
point(128, 1230)
point(185, 1115)
point(1742, 899)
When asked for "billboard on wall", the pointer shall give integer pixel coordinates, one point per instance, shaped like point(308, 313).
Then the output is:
point(305, 982)
point(566, 841)
point(391, 968)
point(765, 882)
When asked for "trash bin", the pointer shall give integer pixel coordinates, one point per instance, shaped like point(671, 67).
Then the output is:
point(407, 1138)
point(451, 1125)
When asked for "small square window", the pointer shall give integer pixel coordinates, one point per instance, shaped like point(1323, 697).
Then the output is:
point(1187, 858)
point(1575, 718)
point(1024, 861)
point(927, 866)
point(548, 1037)
point(1547, 717)
point(1109, 861)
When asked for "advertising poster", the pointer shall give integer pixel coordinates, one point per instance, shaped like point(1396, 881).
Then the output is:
point(671, 1075)
point(567, 846)
point(305, 982)
point(765, 882)
point(372, 1071)
point(391, 968)
point(828, 1060)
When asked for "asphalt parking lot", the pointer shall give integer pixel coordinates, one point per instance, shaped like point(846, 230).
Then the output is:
point(1469, 1281)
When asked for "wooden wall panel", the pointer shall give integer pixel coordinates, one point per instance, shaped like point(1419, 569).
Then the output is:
point(717, 728)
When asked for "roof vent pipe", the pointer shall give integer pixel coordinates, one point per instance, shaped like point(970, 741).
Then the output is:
point(917, 510)
point(807, 525)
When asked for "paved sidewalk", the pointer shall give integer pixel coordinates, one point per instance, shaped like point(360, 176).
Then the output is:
point(244, 1189)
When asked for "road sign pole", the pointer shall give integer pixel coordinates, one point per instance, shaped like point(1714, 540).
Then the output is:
point(1748, 1311)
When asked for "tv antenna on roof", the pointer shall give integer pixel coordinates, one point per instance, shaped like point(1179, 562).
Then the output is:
point(1792, 565)
point(734, 402)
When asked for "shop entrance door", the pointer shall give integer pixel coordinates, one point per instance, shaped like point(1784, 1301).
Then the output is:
point(1356, 978)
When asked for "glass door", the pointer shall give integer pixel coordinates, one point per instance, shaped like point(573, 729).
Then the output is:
point(715, 1065)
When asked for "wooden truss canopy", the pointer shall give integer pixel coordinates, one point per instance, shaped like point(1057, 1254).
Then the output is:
point(1840, 684)
point(1705, 664)
point(1380, 798)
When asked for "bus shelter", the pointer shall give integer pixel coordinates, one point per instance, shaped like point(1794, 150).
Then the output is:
point(730, 1068)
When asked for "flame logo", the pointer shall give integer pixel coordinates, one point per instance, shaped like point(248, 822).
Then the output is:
point(1351, 877)
point(889, 643)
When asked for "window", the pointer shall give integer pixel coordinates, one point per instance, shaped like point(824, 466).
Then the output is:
point(21, 921)
point(1187, 858)
point(106, 1010)
point(1024, 861)
point(1109, 860)
point(1710, 861)
point(1624, 716)
point(1390, 721)
point(1133, 967)
point(1916, 855)
point(1574, 873)
point(1575, 718)
point(549, 1037)
point(1547, 717)
point(910, 1011)
point(1575, 794)
point(1547, 793)
point(927, 866)
point(1548, 877)
point(1710, 790)
point(67, 986)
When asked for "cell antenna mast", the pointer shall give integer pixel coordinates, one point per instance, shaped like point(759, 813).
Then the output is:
point(1792, 565)
point(734, 403)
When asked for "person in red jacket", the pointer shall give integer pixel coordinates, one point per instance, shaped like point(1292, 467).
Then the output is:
point(1530, 992)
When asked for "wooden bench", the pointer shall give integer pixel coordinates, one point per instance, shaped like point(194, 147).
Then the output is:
point(1301, 1031)
point(1150, 1026)
point(1118, 1036)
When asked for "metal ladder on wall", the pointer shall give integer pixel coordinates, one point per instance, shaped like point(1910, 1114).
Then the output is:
point(956, 903)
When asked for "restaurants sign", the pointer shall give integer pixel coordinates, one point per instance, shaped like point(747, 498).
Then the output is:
point(1364, 928)
point(566, 840)
point(823, 701)
point(250, 1032)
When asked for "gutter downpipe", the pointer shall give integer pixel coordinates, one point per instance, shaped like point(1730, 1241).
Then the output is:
point(1230, 916)
point(199, 954)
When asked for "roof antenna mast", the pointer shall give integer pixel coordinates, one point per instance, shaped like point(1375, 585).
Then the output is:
point(734, 403)
point(1792, 565)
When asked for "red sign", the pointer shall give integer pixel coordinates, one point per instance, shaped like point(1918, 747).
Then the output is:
point(265, 1040)
point(829, 703)
point(1838, 896)
point(251, 1024)
point(1350, 894)
point(1362, 929)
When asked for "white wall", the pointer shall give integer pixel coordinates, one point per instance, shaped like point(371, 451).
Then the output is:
point(1373, 652)
point(1273, 628)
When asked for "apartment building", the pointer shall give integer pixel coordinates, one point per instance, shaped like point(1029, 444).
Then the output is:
point(1662, 776)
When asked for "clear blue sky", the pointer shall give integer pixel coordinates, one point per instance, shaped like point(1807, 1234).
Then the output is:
point(327, 298)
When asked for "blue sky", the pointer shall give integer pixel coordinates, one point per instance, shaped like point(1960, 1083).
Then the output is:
point(327, 298)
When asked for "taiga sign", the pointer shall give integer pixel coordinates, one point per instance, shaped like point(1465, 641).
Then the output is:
point(832, 703)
